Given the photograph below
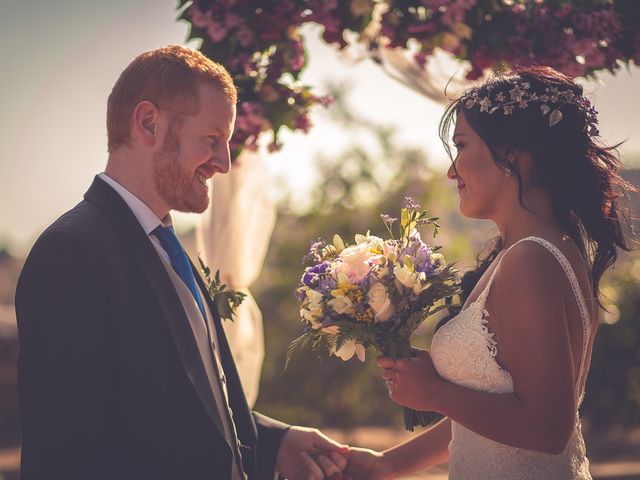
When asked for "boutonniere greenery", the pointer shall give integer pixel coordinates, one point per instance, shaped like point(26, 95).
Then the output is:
point(225, 300)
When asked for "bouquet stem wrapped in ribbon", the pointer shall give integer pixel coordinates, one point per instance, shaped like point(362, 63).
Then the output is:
point(374, 293)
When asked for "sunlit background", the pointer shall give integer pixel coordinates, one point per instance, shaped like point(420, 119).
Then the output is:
point(59, 61)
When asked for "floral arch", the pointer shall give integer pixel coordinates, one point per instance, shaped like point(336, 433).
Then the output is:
point(259, 42)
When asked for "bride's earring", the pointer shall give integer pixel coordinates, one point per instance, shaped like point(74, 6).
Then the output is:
point(507, 172)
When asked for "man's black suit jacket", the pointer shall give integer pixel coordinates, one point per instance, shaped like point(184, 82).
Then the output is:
point(111, 383)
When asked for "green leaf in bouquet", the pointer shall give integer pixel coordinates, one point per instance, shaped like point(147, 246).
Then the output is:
point(297, 346)
point(322, 344)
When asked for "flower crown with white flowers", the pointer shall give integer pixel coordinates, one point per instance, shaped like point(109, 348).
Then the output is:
point(549, 103)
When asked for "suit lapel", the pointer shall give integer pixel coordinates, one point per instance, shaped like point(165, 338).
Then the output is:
point(124, 221)
point(245, 425)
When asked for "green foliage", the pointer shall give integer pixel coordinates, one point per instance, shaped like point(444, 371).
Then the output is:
point(613, 388)
point(225, 300)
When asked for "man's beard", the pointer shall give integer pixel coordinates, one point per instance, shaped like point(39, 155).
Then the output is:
point(172, 183)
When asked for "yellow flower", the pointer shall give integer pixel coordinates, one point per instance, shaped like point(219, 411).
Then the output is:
point(406, 277)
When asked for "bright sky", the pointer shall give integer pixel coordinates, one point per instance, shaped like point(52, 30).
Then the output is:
point(60, 60)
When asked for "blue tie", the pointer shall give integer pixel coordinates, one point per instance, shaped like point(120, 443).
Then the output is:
point(179, 261)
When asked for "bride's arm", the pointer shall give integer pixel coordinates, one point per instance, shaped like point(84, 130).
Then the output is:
point(535, 348)
point(426, 450)
point(422, 451)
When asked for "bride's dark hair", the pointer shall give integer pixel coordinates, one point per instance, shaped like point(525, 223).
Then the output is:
point(580, 175)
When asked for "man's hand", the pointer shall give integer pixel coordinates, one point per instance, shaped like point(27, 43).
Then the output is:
point(298, 451)
point(365, 464)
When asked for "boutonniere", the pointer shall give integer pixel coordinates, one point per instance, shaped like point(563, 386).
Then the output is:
point(225, 300)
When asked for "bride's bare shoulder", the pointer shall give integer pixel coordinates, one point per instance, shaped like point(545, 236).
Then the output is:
point(528, 269)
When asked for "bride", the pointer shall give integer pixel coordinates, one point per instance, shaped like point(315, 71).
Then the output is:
point(508, 371)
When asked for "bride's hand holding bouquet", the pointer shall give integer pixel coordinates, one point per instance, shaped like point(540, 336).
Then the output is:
point(374, 293)
point(412, 383)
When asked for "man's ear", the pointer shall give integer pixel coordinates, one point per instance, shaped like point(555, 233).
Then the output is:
point(146, 123)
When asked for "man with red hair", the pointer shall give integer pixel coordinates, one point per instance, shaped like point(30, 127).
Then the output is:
point(124, 369)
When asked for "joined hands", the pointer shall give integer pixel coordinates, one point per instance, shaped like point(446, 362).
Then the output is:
point(308, 454)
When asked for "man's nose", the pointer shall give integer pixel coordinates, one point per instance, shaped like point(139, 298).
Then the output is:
point(223, 161)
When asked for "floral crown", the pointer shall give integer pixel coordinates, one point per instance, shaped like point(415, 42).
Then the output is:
point(520, 96)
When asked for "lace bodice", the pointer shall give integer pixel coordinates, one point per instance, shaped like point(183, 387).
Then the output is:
point(463, 352)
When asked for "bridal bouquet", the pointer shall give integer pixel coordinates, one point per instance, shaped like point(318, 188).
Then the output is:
point(374, 293)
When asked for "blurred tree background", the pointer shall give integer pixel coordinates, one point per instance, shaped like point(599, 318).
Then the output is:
point(372, 177)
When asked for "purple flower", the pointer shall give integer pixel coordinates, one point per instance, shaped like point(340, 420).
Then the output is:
point(315, 251)
point(326, 283)
point(409, 204)
point(422, 258)
point(320, 268)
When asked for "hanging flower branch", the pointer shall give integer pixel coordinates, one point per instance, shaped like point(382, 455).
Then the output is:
point(576, 38)
point(259, 42)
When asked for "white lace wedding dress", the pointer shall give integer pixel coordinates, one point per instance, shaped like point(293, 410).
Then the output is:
point(463, 352)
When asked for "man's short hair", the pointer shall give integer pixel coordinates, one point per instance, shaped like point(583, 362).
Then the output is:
point(169, 78)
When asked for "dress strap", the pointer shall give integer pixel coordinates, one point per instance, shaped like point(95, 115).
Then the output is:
point(575, 286)
point(582, 306)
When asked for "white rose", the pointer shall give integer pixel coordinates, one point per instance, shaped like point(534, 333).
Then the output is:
point(348, 348)
point(342, 305)
point(379, 302)
point(355, 261)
